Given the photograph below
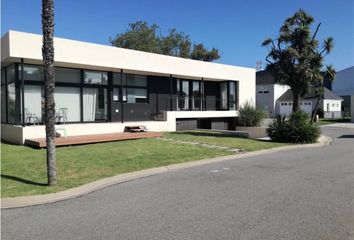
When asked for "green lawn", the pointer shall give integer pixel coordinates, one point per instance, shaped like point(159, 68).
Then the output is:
point(323, 121)
point(220, 139)
point(24, 170)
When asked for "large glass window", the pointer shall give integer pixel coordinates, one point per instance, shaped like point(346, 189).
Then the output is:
point(134, 88)
point(67, 75)
point(196, 95)
point(223, 94)
point(11, 73)
point(3, 104)
point(232, 95)
point(67, 103)
point(11, 99)
point(2, 76)
point(183, 94)
point(135, 80)
point(99, 78)
point(31, 73)
point(94, 104)
point(33, 103)
point(136, 95)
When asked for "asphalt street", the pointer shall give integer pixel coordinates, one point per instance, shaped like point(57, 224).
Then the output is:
point(293, 194)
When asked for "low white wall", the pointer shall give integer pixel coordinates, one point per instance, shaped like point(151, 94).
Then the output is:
point(12, 134)
point(18, 134)
point(171, 116)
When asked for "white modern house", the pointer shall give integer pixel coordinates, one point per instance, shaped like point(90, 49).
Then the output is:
point(102, 89)
point(343, 86)
point(277, 99)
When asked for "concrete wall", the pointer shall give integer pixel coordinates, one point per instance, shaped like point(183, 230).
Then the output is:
point(343, 84)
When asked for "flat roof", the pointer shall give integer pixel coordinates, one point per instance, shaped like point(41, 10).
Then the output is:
point(78, 54)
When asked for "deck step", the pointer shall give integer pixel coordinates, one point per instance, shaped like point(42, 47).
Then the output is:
point(94, 138)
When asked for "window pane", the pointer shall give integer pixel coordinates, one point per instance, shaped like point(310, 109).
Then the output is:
point(67, 98)
point(67, 75)
point(3, 104)
point(116, 79)
point(136, 95)
point(11, 98)
point(32, 73)
point(223, 94)
point(115, 94)
point(33, 103)
point(232, 100)
point(11, 73)
point(95, 104)
point(2, 75)
point(136, 80)
point(95, 78)
point(196, 103)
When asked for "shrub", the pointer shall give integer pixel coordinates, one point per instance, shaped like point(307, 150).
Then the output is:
point(298, 129)
point(249, 115)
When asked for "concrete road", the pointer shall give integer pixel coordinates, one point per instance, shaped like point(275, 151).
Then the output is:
point(295, 194)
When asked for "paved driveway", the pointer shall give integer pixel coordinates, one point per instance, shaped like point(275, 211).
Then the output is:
point(296, 194)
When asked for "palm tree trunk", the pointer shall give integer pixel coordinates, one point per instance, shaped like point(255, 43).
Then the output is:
point(296, 103)
point(49, 105)
point(315, 110)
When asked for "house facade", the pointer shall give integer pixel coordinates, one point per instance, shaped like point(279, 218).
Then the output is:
point(330, 104)
point(103, 89)
point(277, 99)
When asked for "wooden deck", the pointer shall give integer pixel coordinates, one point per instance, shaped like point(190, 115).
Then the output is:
point(95, 138)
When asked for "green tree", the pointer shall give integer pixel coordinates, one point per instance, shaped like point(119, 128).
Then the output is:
point(144, 37)
point(201, 53)
point(318, 88)
point(49, 82)
point(176, 44)
point(295, 57)
point(140, 36)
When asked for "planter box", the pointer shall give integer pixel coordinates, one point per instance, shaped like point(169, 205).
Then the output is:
point(254, 132)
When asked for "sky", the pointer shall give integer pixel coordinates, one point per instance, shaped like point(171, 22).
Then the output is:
point(236, 28)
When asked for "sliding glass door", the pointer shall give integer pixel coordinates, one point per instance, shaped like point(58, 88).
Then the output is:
point(94, 104)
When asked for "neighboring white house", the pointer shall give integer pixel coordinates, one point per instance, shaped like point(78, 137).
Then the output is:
point(268, 92)
point(331, 104)
point(343, 86)
point(278, 99)
point(102, 89)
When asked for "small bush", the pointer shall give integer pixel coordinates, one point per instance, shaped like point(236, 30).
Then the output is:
point(250, 116)
point(298, 129)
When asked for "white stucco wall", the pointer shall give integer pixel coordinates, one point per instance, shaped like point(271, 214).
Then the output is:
point(268, 101)
point(18, 134)
point(334, 105)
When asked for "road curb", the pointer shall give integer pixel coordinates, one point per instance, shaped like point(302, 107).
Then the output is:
point(26, 201)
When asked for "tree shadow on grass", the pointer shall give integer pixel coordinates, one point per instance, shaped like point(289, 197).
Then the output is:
point(22, 180)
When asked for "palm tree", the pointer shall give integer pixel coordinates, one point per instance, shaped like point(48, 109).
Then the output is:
point(49, 105)
point(295, 58)
point(328, 74)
